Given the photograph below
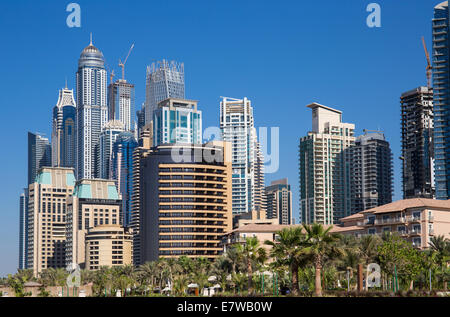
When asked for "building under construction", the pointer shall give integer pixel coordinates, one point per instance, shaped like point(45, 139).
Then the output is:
point(417, 143)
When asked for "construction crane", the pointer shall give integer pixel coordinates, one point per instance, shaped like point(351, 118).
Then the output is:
point(429, 68)
point(110, 71)
point(125, 61)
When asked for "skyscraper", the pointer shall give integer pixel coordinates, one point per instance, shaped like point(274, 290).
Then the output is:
point(39, 154)
point(417, 143)
point(237, 127)
point(23, 230)
point(140, 114)
point(325, 167)
point(143, 149)
point(48, 197)
point(371, 172)
point(185, 205)
point(121, 103)
point(279, 201)
point(122, 171)
point(92, 110)
point(441, 99)
point(108, 136)
point(260, 193)
point(63, 130)
point(177, 121)
point(164, 80)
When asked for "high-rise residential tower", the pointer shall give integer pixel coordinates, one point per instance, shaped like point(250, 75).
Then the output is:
point(140, 115)
point(371, 172)
point(177, 121)
point(237, 127)
point(47, 207)
point(108, 136)
point(417, 143)
point(441, 99)
point(143, 149)
point(122, 171)
point(279, 201)
point(185, 201)
point(92, 110)
point(164, 80)
point(23, 230)
point(325, 167)
point(39, 154)
point(64, 130)
point(121, 103)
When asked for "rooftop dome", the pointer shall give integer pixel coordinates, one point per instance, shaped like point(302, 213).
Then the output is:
point(91, 56)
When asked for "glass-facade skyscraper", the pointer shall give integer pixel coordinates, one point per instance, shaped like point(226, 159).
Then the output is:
point(63, 130)
point(177, 121)
point(164, 80)
point(109, 135)
point(39, 154)
point(122, 171)
point(92, 110)
point(441, 99)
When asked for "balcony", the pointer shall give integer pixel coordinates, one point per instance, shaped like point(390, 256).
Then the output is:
point(415, 232)
point(390, 221)
point(413, 219)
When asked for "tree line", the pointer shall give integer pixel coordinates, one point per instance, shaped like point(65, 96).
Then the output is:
point(304, 260)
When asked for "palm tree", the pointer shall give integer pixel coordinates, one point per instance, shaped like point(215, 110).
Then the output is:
point(368, 246)
point(252, 254)
point(440, 246)
point(288, 251)
point(320, 243)
point(149, 272)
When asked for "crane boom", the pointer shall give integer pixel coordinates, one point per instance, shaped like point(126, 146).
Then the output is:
point(125, 61)
point(428, 68)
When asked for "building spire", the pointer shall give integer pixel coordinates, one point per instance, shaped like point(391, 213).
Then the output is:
point(66, 82)
point(90, 43)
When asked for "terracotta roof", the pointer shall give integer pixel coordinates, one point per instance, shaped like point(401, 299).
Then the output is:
point(253, 227)
point(354, 216)
point(401, 205)
point(410, 203)
point(339, 229)
point(264, 228)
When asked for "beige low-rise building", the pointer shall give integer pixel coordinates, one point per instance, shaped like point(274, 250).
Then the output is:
point(108, 245)
point(416, 220)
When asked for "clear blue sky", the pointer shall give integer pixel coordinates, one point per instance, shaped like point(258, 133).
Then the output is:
point(280, 54)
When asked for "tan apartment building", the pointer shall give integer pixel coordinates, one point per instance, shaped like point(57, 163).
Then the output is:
point(324, 167)
point(186, 201)
point(95, 202)
point(416, 220)
point(47, 208)
point(108, 245)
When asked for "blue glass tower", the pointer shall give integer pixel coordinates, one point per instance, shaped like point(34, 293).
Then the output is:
point(122, 170)
point(177, 121)
point(441, 100)
point(63, 133)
